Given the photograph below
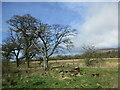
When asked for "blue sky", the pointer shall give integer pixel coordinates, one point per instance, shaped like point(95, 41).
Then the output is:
point(95, 22)
point(48, 12)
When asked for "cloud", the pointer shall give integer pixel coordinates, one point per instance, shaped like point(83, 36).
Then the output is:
point(100, 26)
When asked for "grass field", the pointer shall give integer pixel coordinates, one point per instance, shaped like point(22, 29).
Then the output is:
point(36, 77)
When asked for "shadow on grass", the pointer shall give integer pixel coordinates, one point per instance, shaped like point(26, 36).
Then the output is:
point(39, 83)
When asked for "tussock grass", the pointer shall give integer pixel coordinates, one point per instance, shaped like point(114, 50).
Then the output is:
point(36, 77)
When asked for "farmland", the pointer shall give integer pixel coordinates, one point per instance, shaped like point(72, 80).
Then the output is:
point(104, 75)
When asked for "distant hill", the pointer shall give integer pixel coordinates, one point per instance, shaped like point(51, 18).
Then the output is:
point(107, 50)
point(104, 53)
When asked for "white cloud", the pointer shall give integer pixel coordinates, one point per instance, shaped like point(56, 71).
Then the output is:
point(100, 27)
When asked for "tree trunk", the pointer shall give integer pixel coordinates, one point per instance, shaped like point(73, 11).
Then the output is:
point(7, 61)
point(45, 63)
point(17, 59)
point(28, 64)
point(27, 58)
point(17, 62)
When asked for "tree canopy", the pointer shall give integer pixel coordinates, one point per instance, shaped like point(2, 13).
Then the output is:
point(34, 37)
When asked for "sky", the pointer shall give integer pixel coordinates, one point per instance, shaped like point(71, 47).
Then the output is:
point(96, 22)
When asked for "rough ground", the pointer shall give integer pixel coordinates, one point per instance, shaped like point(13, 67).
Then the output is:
point(101, 76)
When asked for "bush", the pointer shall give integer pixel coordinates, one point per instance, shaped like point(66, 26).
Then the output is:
point(92, 58)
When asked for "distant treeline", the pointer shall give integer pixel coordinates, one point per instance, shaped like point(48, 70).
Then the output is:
point(110, 54)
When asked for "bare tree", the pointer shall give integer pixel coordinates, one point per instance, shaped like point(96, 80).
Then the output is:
point(7, 48)
point(50, 38)
point(12, 47)
point(91, 56)
point(17, 42)
point(53, 39)
point(24, 26)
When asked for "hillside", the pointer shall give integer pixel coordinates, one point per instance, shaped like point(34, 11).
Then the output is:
point(104, 53)
point(107, 50)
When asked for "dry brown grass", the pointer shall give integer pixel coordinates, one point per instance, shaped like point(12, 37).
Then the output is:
point(108, 63)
